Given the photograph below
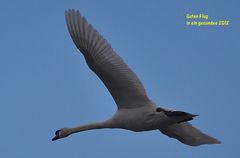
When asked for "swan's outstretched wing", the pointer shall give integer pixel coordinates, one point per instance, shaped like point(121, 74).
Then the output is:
point(188, 134)
point(120, 80)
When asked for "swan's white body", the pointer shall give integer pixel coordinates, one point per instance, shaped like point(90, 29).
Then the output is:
point(136, 112)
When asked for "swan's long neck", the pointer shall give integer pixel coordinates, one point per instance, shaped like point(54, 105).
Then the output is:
point(98, 125)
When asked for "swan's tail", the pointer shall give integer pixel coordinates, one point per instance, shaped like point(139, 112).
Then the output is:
point(188, 134)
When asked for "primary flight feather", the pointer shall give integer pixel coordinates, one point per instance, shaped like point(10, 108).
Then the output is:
point(136, 112)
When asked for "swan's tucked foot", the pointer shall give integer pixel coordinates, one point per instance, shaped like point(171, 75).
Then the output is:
point(184, 115)
point(178, 113)
point(185, 120)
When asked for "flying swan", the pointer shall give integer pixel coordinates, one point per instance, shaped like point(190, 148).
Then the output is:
point(136, 112)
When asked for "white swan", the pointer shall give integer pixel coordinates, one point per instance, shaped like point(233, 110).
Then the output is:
point(136, 112)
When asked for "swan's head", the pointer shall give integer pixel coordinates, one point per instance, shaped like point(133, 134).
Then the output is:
point(61, 133)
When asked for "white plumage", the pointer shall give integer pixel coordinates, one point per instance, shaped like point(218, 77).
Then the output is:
point(136, 111)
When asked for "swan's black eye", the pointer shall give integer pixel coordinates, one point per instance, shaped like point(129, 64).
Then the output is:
point(57, 132)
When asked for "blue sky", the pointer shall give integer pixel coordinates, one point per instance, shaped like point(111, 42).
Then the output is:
point(45, 83)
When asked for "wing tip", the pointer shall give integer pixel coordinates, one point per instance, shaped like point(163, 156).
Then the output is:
point(209, 141)
point(215, 141)
point(70, 11)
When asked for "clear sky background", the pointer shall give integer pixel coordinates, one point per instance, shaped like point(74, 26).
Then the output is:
point(45, 83)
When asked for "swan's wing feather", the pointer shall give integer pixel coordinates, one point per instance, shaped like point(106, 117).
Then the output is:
point(188, 134)
point(120, 80)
